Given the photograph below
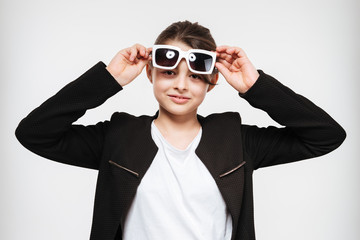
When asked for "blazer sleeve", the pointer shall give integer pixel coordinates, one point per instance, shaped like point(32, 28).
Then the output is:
point(49, 130)
point(308, 130)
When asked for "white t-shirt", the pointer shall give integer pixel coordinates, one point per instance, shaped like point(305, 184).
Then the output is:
point(177, 198)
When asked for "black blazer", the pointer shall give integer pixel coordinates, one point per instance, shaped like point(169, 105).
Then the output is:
point(122, 148)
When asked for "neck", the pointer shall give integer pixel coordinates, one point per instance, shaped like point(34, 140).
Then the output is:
point(167, 121)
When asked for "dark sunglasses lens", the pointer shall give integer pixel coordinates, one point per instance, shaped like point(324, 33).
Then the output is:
point(166, 57)
point(200, 62)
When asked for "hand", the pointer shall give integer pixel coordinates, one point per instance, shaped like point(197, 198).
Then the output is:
point(237, 69)
point(129, 63)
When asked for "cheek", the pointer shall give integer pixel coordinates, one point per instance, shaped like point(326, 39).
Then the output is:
point(156, 89)
point(160, 85)
point(200, 89)
point(159, 88)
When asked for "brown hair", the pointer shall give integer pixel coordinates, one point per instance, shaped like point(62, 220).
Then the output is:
point(193, 35)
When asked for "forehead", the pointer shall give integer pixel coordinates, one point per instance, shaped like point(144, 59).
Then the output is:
point(179, 44)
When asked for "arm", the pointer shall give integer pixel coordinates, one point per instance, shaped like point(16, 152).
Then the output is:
point(309, 131)
point(49, 130)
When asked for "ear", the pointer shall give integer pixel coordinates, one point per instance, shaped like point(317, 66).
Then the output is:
point(214, 81)
point(149, 72)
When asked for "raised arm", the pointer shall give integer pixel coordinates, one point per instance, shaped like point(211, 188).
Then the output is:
point(308, 130)
point(49, 130)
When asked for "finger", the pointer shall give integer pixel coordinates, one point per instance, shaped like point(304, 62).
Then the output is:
point(133, 52)
point(143, 52)
point(233, 68)
point(222, 48)
point(143, 62)
point(226, 57)
point(236, 52)
point(125, 53)
point(225, 63)
point(223, 69)
point(231, 52)
point(148, 51)
point(136, 52)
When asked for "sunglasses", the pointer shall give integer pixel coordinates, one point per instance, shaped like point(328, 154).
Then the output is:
point(168, 57)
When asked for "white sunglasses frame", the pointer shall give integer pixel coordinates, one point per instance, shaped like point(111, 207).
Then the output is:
point(184, 54)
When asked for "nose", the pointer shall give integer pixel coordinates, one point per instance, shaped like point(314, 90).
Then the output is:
point(181, 80)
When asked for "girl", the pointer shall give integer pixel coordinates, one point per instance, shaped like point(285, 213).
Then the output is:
point(177, 175)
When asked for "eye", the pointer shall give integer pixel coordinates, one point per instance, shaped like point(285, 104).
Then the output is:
point(168, 72)
point(195, 76)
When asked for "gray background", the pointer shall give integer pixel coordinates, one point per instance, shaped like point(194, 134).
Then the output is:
point(310, 46)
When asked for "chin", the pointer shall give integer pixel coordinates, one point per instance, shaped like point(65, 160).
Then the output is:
point(178, 111)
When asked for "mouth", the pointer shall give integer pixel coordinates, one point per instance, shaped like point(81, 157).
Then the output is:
point(179, 99)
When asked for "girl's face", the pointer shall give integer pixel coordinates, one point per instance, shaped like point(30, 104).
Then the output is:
point(178, 91)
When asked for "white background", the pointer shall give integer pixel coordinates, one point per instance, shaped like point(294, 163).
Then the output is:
point(311, 46)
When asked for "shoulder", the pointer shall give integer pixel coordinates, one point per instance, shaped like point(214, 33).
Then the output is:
point(225, 117)
point(221, 123)
point(126, 127)
point(124, 118)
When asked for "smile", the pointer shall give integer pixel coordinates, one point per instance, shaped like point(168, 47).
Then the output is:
point(179, 99)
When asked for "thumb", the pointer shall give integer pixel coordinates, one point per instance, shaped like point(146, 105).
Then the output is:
point(142, 63)
point(223, 70)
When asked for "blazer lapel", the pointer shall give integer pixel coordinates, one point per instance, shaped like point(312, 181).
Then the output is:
point(140, 149)
point(220, 149)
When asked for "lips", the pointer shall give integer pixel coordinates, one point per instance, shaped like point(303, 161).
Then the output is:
point(179, 99)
